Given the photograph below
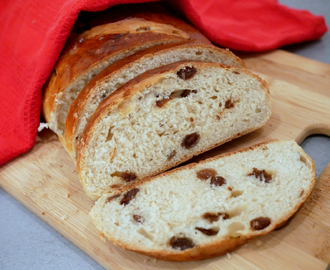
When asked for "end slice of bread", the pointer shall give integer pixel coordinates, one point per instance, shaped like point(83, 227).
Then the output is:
point(164, 117)
point(210, 208)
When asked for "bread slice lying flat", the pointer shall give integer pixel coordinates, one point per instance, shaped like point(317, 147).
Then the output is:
point(122, 71)
point(93, 51)
point(210, 208)
point(166, 116)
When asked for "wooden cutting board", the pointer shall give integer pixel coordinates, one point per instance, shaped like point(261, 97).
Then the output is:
point(45, 180)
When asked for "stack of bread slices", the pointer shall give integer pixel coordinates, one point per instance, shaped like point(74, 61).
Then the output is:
point(136, 92)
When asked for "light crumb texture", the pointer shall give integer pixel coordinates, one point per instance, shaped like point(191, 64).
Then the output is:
point(180, 205)
point(167, 120)
point(105, 86)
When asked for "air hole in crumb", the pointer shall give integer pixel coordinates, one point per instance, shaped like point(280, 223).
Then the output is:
point(236, 193)
point(134, 155)
point(220, 104)
point(200, 102)
point(236, 211)
point(144, 233)
point(235, 228)
point(199, 53)
point(191, 119)
point(116, 223)
point(236, 72)
point(110, 135)
point(217, 117)
point(258, 110)
point(214, 97)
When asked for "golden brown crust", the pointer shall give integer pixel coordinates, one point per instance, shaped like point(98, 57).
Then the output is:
point(80, 101)
point(155, 12)
point(219, 247)
point(117, 98)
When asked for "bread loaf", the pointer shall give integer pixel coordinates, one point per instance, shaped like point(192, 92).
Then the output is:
point(210, 208)
point(166, 116)
point(122, 71)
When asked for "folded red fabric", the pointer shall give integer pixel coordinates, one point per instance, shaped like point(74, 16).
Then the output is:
point(33, 33)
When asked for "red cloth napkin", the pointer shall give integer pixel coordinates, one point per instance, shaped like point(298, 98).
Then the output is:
point(33, 33)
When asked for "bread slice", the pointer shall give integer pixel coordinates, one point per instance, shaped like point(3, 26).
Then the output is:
point(210, 208)
point(93, 51)
point(166, 116)
point(122, 71)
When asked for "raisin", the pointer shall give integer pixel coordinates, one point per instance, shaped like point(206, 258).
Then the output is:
point(218, 181)
point(190, 140)
point(187, 92)
point(261, 175)
point(186, 73)
point(161, 103)
point(206, 174)
point(212, 217)
point(260, 223)
point(181, 243)
point(130, 195)
point(208, 232)
point(138, 218)
point(128, 177)
point(112, 197)
point(229, 104)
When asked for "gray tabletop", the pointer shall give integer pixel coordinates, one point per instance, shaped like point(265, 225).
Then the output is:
point(27, 242)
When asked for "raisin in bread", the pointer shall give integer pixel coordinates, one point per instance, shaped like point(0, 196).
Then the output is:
point(166, 116)
point(210, 208)
point(122, 71)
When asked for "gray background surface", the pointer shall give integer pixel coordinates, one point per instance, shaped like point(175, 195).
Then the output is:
point(27, 242)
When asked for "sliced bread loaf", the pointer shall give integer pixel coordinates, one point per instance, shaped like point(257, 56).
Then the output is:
point(122, 71)
point(210, 208)
point(166, 116)
point(87, 58)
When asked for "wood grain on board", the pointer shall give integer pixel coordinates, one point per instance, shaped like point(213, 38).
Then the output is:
point(45, 180)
